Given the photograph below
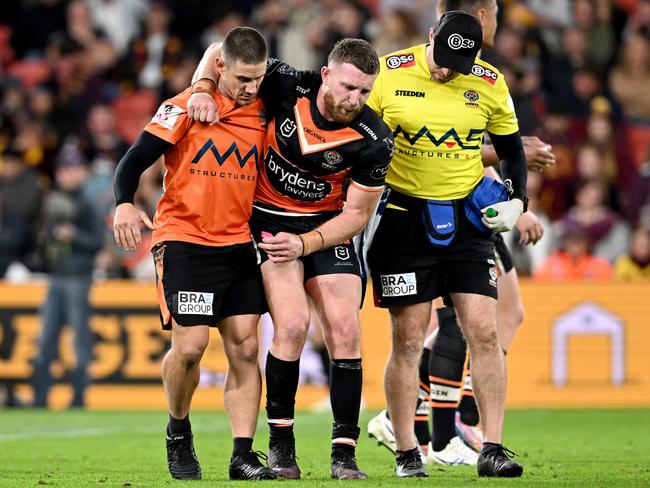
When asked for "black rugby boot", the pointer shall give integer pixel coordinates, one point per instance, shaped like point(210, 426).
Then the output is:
point(495, 461)
point(247, 466)
point(282, 461)
point(181, 458)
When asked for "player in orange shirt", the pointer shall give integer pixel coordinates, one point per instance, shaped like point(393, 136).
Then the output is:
point(206, 262)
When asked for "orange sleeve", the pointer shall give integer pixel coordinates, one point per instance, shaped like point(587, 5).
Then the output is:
point(171, 122)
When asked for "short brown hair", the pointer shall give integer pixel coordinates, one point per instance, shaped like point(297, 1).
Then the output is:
point(358, 53)
point(244, 44)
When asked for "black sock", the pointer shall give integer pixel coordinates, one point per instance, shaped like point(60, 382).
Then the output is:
point(345, 394)
point(467, 407)
point(344, 438)
point(176, 426)
point(241, 445)
point(324, 356)
point(281, 387)
point(412, 452)
point(446, 373)
point(422, 406)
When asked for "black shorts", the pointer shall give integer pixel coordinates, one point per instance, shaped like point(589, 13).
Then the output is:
point(504, 258)
point(406, 269)
point(341, 259)
point(200, 285)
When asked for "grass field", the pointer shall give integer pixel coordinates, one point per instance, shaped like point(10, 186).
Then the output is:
point(126, 449)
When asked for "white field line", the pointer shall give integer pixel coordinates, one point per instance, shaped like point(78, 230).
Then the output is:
point(94, 432)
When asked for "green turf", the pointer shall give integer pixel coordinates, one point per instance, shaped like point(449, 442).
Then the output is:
point(126, 449)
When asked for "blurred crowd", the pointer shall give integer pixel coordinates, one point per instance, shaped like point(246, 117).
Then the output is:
point(80, 78)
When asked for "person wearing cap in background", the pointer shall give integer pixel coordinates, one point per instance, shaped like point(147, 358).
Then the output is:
point(434, 238)
point(71, 235)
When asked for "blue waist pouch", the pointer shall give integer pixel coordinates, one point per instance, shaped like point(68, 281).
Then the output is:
point(440, 221)
point(488, 192)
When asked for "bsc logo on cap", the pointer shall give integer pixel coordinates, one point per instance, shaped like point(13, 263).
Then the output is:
point(456, 41)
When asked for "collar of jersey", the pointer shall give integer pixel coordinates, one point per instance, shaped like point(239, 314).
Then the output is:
point(307, 147)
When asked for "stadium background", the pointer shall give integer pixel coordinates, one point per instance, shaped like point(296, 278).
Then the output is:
point(79, 79)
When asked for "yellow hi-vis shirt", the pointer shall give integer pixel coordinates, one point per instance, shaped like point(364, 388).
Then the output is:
point(439, 127)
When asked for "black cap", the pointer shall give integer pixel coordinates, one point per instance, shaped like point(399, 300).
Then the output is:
point(457, 39)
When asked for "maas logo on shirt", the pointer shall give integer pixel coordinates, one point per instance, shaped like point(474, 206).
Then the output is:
point(195, 303)
point(450, 138)
point(251, 157)
point(400, 61)
point(167, 115)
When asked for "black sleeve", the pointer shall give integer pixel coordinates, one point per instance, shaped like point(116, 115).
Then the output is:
point(514, 167)
point(281, 81)
point(373, 162)
point(143, 153)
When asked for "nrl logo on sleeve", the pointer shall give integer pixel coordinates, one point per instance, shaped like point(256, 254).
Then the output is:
point(167, 115)
point(400, 61)
point(195, 303)
point(398, 285)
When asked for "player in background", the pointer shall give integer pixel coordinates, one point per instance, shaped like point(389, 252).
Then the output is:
point(206, 263)
point(326, 159)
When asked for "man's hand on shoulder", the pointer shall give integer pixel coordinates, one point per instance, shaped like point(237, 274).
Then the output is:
point(202, 108)
point(126, 226)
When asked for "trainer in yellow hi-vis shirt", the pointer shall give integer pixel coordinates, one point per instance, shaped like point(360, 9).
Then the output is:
point(438, 152)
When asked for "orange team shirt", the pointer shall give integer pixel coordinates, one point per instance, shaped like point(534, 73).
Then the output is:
point(560, 267)
point(211, 172)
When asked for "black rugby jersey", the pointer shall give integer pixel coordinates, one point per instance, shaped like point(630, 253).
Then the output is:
point(309, 159)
